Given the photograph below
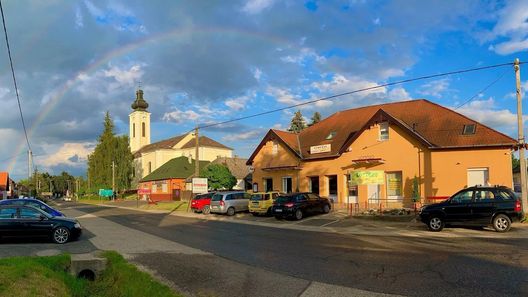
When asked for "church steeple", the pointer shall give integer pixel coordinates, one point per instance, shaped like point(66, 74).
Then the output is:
point(139, 104)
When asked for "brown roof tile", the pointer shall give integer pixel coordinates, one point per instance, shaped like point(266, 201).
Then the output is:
point(237, 166)
point(171, 142)
point(436, 126)
point(205, 141)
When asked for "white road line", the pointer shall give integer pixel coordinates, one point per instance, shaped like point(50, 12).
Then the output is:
point(329, 223)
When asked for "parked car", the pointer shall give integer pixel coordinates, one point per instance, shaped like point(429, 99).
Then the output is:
point(202, 203)
point(261, 202)
point(229, 202)
point(29, 221)
point(298, 205)
point(475, 206)
point(35, 203)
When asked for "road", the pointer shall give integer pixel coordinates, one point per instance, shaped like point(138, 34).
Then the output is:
point(248, 260)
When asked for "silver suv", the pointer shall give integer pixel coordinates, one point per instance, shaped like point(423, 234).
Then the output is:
point(230, 202)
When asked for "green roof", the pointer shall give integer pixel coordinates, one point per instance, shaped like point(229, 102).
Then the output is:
point(175, 168)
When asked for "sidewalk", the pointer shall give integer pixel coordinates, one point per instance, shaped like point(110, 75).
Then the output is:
point(339, 222)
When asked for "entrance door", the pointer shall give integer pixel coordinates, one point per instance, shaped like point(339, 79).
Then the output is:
point(477, 176)
point(352, 191)
point(268, 184)
point(287, 184)
point(314, 184)
point(373, 193)
point(332, 188)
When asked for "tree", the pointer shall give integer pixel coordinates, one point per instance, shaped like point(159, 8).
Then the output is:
point(316, 118)
point(110, 148)
point(218, 177)
point(297, 123)
point(515, 162)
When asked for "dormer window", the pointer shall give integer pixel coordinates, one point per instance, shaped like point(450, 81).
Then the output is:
point(469, 129)
point(384, 131)
point(331, 135)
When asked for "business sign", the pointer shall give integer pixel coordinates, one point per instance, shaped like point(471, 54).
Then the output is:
point(143, 191)
point(199, 185)
point(367, 177)
point(323, 148)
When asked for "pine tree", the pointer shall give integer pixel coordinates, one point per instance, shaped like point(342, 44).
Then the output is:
point(316, 118)
point(110, 148)
point(297, 123)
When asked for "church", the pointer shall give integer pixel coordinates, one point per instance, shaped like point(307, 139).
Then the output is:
point(150, 156)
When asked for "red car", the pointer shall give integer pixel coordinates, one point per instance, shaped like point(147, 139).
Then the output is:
point(202, 203)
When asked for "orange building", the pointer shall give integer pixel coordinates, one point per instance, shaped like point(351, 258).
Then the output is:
point(384, 154)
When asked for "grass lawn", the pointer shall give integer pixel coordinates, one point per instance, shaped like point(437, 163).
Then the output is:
point(169, 205)
point(48, 276)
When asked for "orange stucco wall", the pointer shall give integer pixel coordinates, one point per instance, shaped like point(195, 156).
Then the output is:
point(440, 173)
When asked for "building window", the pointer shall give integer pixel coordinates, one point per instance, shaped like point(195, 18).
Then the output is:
point(384, 131)
point(469, 129)
point(477, 176)
point(287, 184)
point(275, 148)
point(133, 130)
point(332, 188)
point(143, 129)
point(150, 167)
point(331, 135)
point(394, 184)
point(314, 184)
point(268, 184)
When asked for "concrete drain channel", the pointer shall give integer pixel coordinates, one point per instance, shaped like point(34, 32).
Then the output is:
point(88, 266)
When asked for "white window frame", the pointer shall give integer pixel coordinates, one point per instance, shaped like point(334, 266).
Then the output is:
point(383, 126)
point(285, 184)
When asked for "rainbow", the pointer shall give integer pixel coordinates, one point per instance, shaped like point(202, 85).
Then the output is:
point(61, 91)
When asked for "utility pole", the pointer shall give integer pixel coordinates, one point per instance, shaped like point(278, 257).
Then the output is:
point(522, 158)
point(197, 154)
point(113, 179)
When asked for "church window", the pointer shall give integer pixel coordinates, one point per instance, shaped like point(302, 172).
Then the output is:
point(150, 167)
point(133, 130)
point(143, 129)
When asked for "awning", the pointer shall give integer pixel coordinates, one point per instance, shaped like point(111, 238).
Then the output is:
point(368, 161)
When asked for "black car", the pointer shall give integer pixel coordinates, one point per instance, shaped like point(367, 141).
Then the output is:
point(297, 205)
point(475, 206)
point(28, 221)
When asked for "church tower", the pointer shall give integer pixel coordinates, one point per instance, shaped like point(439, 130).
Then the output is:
point(139, 123)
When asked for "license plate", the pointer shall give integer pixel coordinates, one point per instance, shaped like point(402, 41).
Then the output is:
point(278, 210)
point(255, 203)
point(215, 207)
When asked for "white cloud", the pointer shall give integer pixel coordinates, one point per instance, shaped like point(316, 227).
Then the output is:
point(435, 88)
point(257, 6)
point(181, 116)
point(511, 25)
point(3, 92)
point(283, 96)
point(257, 74)
point(253, 134)
point(304, 54)
point(238, 103)
point(398, 94)
point(69, 154)
point(343, 84)
point(79, 22)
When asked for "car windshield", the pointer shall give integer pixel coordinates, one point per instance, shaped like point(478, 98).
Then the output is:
point(217, 197)
point(284, 199)
point(257, 197)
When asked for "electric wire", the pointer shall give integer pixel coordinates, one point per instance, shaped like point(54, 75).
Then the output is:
point(357, 91)
point(13, 74)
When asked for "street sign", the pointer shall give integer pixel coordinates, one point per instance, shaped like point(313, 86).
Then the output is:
point(199, 185)
point(367, 177)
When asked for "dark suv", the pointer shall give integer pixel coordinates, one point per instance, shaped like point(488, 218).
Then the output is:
point(297, 205)
point(475, 206)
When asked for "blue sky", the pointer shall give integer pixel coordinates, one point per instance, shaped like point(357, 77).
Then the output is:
point(201, 62)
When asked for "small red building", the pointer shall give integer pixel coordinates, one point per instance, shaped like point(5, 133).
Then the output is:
point(169, 181)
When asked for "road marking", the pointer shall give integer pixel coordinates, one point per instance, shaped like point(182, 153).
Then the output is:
point(324, 225)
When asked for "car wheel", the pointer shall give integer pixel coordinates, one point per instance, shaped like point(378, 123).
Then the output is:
point(206, 210)
point(298, 214)
point(61, 235)
point(231, 211)
point(255, 214)
point(501, 223)
point(436, 224)
point(326, 208)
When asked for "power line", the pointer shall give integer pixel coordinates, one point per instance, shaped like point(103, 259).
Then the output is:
point(361, 90)
point(14, 78)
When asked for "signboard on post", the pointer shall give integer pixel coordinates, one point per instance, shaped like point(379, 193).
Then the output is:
point(367, 177)
point(199, 185)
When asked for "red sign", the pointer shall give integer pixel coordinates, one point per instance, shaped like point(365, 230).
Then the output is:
point(143, 191)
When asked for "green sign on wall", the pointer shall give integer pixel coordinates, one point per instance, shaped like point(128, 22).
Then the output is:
point(367, 177)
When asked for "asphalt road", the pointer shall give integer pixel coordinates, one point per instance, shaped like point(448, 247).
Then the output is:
point(390, 264)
